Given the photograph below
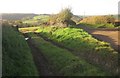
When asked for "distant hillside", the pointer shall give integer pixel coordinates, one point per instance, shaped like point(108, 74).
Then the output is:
point(77, 18)
point(117, 16)
point(46, 17)
point(114, 15)
point(16, 16)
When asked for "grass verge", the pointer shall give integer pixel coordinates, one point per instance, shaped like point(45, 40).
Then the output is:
point(17, 58)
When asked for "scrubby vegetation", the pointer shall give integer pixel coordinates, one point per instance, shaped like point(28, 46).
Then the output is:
point(99, 21)
point(17, 59)
point(63, 18)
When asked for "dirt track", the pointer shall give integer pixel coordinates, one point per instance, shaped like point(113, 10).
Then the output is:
point(39, 59)
point(107, 35)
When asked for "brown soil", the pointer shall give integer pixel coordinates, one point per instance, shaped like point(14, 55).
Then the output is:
point(39, 59)
point(107, 35)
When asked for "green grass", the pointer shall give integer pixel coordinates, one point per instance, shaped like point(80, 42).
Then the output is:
point(29, 29)
point(84, 45)
point(64, 62)
point(37, 20)
point(98, 25)
point(43, 18)
point(17, 57)
point(30, 21)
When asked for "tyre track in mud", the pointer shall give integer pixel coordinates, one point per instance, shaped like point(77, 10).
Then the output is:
point(39, 59)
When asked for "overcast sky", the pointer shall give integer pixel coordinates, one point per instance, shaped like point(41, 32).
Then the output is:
point(79, 7)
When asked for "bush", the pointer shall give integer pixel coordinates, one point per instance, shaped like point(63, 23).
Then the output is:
point(63, 18)
point(52, 19)
point(64, 15)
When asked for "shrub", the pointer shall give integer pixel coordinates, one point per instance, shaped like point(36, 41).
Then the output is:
point(63, 18)
point(64, 15)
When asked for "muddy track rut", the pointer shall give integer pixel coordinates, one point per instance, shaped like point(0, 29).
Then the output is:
point(39, 59)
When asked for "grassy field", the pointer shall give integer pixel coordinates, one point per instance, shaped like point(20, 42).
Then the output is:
point(64, 62)
point(83, 45)
point(42, 18)
point(30, 29)
point(17, 58)
point(30, 21)
point(37, 20)
point(98, 25)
